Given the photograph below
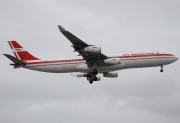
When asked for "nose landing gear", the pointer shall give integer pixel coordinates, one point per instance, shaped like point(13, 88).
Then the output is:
point(90, 81)
point(161, 69)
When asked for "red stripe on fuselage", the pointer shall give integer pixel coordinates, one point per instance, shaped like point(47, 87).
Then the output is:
point(85, 62)
point(74, 61)
point(63, 61)
point(54, 64)
point(134, 56)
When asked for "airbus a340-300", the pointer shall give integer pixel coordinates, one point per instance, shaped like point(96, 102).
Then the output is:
point(90, 61)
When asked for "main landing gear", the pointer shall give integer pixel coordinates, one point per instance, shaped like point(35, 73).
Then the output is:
point(92, 76)
point(161, 69)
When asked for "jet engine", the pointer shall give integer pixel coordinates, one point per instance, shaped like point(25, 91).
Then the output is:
point(110, 74)
point(93, 49)
point(112, 61)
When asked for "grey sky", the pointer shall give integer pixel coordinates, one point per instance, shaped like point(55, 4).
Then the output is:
point(118, 26)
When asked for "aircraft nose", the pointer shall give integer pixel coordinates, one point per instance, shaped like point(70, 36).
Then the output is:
point(176, 58)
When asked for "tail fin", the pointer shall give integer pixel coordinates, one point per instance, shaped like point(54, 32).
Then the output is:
point(20, 53)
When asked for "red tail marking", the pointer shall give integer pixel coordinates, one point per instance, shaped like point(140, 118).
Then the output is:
point(20, 52)
point(16, 45)
point(24, 55)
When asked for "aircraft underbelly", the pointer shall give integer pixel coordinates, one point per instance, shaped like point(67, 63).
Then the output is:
point(55, 68)
point(101, 69)
point(141, 63)
point(165, 61)
point(111, 68)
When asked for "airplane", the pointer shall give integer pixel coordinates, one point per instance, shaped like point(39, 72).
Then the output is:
point(89, 62)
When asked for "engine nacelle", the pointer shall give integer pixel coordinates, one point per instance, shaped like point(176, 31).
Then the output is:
point(110, 74)
point(93, 49)
point(98, 78)
point(112, 61)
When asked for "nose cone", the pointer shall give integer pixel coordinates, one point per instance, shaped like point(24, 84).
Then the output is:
point(176, 58)
point(168, 60)
point(173, 59)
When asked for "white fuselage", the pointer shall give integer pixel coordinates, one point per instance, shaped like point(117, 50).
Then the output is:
point(79, 65)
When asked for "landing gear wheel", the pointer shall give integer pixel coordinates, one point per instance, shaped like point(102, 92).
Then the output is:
point(161, 70)
point(95, 78)
point(91, 81)
point(95, 71)
point(90, 74)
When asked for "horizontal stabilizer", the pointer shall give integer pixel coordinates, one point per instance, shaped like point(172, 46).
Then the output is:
point(15, 60)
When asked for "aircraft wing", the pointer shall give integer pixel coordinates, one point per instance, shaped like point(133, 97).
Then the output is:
point(79, 45)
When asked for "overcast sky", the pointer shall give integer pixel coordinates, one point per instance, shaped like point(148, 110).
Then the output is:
point(119, 26)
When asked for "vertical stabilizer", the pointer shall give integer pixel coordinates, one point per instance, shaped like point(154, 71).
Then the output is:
point(20, 53)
